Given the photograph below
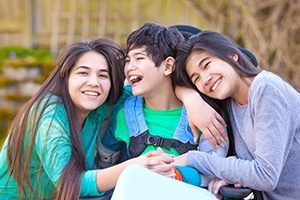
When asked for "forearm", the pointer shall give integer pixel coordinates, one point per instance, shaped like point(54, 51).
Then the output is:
point(155, 160)
point(202, 116)
point(188, 95)
point(107, 178)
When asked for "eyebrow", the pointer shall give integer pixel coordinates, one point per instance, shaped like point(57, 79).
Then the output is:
point(199, 65)
point(202, 61)
point(86, 67)
point(138, 53)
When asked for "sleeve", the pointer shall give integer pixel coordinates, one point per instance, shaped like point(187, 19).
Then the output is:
point(53, 147)
point(88, 184)
point(52, 144)
point(189, 175)
point(268, 141)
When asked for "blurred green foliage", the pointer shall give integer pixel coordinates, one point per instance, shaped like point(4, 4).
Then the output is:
point(17, 56)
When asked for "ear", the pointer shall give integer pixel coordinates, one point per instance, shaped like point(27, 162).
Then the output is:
point(169, 63)
point(235, 57)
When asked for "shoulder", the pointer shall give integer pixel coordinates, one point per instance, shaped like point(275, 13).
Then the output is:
point(50, 105)
point(53, 119)
point(54, 110)
point(267, 79)
point(268, 83)
point(268, 87)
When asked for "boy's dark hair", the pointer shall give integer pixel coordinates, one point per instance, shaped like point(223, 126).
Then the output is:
point(159, 41)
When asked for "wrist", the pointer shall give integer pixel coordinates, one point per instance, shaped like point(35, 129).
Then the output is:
point(181, 160)
point(192, 98)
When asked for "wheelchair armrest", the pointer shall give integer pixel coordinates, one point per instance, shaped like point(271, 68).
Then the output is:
point(231, 192)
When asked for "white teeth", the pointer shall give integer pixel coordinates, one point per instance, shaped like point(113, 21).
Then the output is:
point(133, 77)
point(216, 85)
point(91, 93)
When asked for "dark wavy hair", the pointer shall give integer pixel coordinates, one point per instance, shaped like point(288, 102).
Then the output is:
point(159, 41)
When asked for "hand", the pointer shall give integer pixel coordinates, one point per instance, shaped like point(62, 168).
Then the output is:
point(160, 162)
point(214, 187)
point(202, 116)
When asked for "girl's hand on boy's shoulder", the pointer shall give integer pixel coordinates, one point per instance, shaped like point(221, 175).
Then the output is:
point(204, 117)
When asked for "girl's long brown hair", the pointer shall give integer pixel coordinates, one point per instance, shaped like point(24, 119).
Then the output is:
point(19, 154)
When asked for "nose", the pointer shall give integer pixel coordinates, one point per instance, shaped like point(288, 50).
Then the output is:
point(93, 81)
point(206, 77)
point(130, 66)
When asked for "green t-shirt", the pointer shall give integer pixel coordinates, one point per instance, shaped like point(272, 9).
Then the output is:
point(154, 119)
point(161, 123)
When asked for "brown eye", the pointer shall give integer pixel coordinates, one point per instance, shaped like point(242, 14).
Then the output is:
point(104, 75)
point(206, 65)
point(82, 72)
point(196, 79)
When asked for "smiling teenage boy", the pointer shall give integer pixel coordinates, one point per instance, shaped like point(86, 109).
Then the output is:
point(154, 117)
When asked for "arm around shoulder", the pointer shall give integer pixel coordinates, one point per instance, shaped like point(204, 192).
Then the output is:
point(202, 116)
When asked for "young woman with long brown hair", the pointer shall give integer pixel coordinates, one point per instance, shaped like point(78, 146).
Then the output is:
point(264, 112)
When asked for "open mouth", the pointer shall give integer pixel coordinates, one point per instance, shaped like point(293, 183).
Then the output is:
point(134, 79)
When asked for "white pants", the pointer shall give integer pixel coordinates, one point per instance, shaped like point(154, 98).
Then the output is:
point(139, 183)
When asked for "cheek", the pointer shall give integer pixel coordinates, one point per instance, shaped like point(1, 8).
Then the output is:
point(106, 85)
point(200, 87)
point(189, 71)
point(71, 86)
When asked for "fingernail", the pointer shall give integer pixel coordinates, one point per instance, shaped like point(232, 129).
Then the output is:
point(223, 142)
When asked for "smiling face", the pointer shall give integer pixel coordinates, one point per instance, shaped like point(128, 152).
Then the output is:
point(89, 83)
point(213, 76)
point(142, 74)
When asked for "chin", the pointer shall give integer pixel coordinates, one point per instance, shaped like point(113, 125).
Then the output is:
point(135, 93)
point(93, 107)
